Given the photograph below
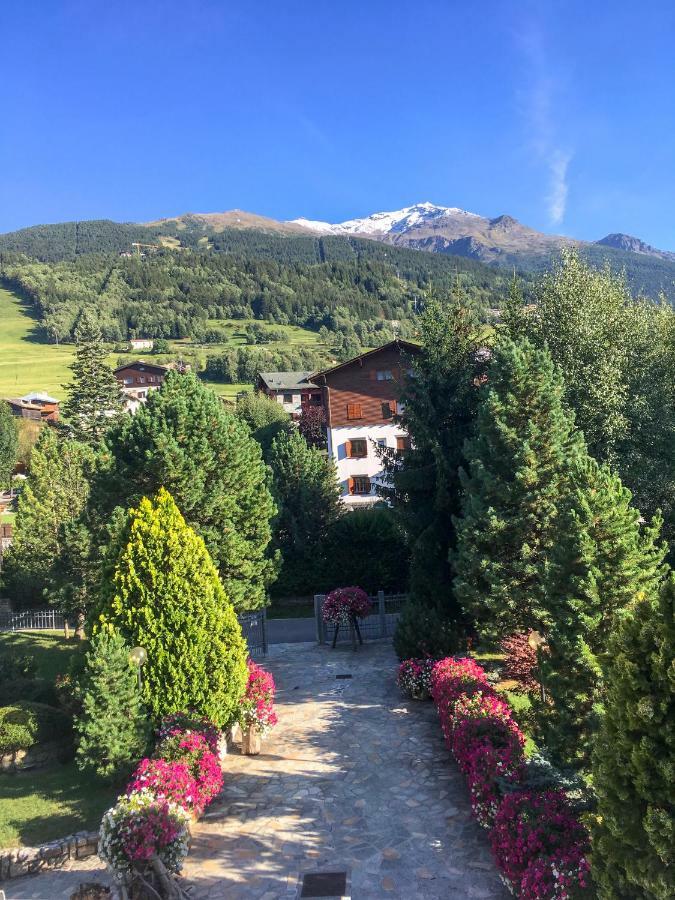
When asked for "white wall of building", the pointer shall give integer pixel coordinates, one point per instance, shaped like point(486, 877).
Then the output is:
point(294, 407)
point(371, 465)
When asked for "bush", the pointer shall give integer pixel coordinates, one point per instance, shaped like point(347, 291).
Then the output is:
point(180, 723)
point(35, 690)
point(520, 661)
point(366, 547)
point(423, 631)
point(112, 727)
point(256, 707)
point(192, 750)
point(414, 676)
point(25, 724)
point(165, 595)
point(540, 847)
point(16, 665)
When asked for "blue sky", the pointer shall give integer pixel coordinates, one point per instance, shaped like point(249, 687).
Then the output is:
point(559, 113)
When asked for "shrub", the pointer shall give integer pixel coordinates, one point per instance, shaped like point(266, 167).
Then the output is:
point(520, 661)
point(540, 847)
point(181, 723)
point(423, 631)
point(256, 707)
point(112, 727)
point(192, 749)
point(140, 826)
point(16, 665)
point(165, 595)
point(36, 690)
point(344, 604)
point(172, 781)
point(24, 724)
point(414, 676)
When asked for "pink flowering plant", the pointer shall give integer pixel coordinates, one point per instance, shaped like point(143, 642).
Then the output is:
point(186, 722)
point(343, 605)
point(540, 846)
point(139, 827)
point(192, 749)
point(256, 707)
point(172, 781)
point(414, 676)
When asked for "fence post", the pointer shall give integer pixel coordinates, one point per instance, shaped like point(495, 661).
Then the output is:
point(318, 607)
point(264, 631)
point(383, 618)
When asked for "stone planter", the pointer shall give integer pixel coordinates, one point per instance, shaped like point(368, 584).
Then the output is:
point(250, 741)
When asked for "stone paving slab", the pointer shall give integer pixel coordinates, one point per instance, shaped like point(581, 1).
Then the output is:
point(354, 778)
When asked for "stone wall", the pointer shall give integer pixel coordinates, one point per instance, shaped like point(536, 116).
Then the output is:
point(38, 755)
point(27, 860)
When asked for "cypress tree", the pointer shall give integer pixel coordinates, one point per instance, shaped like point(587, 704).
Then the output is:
point(94, 397)
point(164, 594)
point(183, 439)
point(307, 494)
point(112, 728)
point(518, 464)
point(634, 759)
point(9, 443)
point(601, 559)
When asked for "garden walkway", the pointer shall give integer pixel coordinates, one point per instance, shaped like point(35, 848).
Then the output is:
point(353, 779)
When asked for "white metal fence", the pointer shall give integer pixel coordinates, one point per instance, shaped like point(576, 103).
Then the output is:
point(385, 610)
point(31, 620)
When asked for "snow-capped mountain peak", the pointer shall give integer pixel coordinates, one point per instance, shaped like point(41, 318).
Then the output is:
point(400, 220)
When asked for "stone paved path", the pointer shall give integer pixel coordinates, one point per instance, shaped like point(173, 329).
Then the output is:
point(353, 778)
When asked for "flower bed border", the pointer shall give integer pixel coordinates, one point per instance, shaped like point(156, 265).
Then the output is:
point(15, 862)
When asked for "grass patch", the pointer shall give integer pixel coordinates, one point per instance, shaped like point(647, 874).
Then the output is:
point(7, 518)
point(44, 805)
point(50, 650)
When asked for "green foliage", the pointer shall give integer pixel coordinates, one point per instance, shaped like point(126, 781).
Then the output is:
point(307, 495)
point(37, 690)
point(53, 496)
point(112, 728)
point(164, 594)
point(15, 665)
point(440, 405)
point(368, 548)
point(265, 417)
point(601, 559)
point(24, 724)
point(94, 397)
point(9, 443)
point(634, 760)
point(422, 631)
point(183, 439)
point(518, 465)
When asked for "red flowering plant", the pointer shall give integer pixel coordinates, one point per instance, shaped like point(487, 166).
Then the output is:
point(193, 749)
point(540, 846)
point(343, 605)
point(520, 662)
point(414, 676)
point(172, 781)
point(256, 707)
point(183, 722)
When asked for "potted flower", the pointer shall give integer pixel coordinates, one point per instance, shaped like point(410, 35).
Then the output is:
point(345, 606)
point(256, 708)
point(414, 677)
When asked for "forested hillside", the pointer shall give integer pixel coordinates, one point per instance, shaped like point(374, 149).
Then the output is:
point(178, 294)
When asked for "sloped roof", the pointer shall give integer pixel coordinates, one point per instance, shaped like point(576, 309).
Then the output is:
point(143, 366)
point(397, 344)
point(39, 397)
point(286, 381)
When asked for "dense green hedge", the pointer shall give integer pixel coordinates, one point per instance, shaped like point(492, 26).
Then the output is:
point(36, 690)
point(25, 724)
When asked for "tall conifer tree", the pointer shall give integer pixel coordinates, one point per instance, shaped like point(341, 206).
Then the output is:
point(601, 559)
point(634, 759)
point(94, 397)
point(9, 443)
point(518, 464)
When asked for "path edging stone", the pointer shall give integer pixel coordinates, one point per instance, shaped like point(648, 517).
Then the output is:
point(18, 861)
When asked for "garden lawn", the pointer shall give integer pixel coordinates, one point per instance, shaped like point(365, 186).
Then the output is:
point(51, 651)
point(47, 804)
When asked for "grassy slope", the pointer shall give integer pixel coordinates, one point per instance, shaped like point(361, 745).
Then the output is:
point(27, 364)
point(51, 651)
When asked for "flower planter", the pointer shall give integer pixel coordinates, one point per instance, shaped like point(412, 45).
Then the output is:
point(250, 741)
point(420, 694)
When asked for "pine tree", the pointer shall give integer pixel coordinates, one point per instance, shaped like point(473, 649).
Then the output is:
point(307, 494)
point(183, 439)
point(518, 463)
point(163, 593)
point(600, 560)
point(9, 443)
point(112, 728)
point(634, 759)
point(94, 397)
point(53, 496)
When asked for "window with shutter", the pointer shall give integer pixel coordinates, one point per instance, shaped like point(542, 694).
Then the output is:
point(388, 409)
point(361, 484)
point(354, 411)
point(357, 448)
point(350, 485)
point(402, 442)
